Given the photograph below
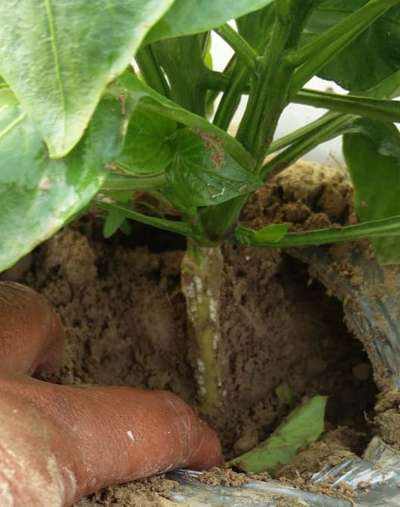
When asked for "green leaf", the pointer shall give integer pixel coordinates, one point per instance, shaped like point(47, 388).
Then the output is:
point(147, 146)
point(114, 220)
point(372, 154)
point(303, 426)
point(203, 174)
point(372, 57)
point(196, 16)
point(387, 89)
point(270, 233)
point(59, 55)
point(38, 194)
point(135, 93)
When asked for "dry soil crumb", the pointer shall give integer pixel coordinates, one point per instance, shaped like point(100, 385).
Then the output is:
point(144, 493)
point(306, 195)
point(224, 477)
point(388, 424)
point(281, 501)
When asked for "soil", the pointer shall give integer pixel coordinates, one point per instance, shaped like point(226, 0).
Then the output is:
point(331, 449)
point(306, 196)
point(284, 337)
point(145, 493)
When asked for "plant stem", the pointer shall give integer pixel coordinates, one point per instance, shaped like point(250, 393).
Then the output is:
point(377, 109)
point(151, 71)
point(268, 93)
point(368, 230)
point(160, 223)
point(333, 127)
point(268, 98)
point(220, 221)
point(302, 132)
point(231, 97)
point(201, 285)
point(242, 48)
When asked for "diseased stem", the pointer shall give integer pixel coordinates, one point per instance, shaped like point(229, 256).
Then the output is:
point(201, 285)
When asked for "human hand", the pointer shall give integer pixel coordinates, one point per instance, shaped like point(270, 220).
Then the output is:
point(59, 443)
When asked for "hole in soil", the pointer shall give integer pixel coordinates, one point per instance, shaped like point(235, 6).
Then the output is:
point(125, 325)
point(340, 367)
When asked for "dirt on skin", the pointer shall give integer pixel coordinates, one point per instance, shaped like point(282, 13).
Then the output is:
point(283, 337)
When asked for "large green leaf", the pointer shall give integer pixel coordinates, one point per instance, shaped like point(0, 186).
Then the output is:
point(389, 88)
point(303, 426)
point(195, 16)
point(372, 57)
point(148, 146)
point(58, 56)
point(134, 92)
point(203, 174)
point(38, 194)
point(372, 155)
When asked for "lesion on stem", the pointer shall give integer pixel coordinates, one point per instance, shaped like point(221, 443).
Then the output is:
point(202, 270)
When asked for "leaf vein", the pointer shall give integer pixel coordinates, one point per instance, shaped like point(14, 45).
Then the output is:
point(12, 125)
point(54, 49)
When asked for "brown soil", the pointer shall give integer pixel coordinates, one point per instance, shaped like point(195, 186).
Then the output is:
point(306, 196)
point(224, 477)
point(144, 493)
point(283, 337)
point(331, 449)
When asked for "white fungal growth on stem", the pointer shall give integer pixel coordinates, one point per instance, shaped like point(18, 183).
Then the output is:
point(213, 309)
point(201, 366)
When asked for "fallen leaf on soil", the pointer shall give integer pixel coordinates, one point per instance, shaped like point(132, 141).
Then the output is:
point(302, 427)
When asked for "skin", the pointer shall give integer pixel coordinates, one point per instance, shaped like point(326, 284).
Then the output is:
point(59, 443)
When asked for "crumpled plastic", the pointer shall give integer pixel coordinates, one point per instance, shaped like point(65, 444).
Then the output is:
point(375, 481)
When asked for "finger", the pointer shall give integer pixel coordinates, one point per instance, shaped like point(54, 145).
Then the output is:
point(101, 435)
point(131, 433)
point(31, 334)
point(106, 436)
